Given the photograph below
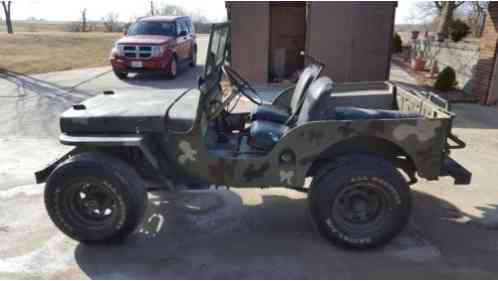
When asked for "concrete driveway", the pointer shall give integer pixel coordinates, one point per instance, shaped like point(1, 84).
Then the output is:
point(236, 233)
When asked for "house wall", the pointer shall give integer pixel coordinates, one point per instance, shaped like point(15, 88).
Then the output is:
point(461, 56)
point(486, 86)
point(250, 39)
point(352, 38)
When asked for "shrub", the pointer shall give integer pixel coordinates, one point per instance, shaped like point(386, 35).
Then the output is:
point(458, 30)
point(397, 43)
point(446, 79)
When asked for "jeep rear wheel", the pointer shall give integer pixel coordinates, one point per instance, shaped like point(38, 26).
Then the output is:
point(95, 198)
point(361, 202)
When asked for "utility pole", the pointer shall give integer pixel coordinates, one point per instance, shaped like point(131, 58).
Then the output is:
point(151, 8)
point(83, 20)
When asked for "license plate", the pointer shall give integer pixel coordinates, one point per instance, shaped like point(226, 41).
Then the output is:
point(137, 64)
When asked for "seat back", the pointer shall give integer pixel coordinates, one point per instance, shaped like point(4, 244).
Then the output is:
point(312, 107)
point(309, 74)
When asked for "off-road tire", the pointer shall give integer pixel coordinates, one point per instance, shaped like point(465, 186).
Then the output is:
point(171, 72)
point(193, 59)
point(121, 74)
point(371, 175)
point(116, 178)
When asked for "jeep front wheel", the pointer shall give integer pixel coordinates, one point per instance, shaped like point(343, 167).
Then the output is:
point(360, 202)
point(95, 198)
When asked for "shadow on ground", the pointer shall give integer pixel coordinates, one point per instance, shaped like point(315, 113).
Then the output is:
point(33, 106)
point(214, 234)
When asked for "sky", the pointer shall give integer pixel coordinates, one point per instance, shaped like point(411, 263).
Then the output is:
point(69, 10)
point(404, 11)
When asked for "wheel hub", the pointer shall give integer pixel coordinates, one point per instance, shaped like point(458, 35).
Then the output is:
point(93, 203)
point(360, 204)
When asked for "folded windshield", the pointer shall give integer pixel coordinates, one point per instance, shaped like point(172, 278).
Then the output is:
point(152, 28)
point(218, 44)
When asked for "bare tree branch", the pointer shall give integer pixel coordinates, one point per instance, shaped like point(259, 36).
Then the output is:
point(438, 5)
point(111, 23)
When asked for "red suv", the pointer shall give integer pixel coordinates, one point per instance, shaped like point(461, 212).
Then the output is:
point(156, 43)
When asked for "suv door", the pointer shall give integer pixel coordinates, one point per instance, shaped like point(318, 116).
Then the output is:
point(191, 37)
point(182, 41)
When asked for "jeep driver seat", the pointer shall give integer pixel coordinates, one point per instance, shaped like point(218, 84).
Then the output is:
point(278, 114)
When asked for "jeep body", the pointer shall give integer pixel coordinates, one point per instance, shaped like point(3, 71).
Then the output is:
point(187, 139)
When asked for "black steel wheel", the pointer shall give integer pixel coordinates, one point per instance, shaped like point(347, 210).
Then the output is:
point(360, 202)
point(95, 198)
point(91, 202)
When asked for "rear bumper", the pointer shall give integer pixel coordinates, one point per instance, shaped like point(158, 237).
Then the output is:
point(460, 174)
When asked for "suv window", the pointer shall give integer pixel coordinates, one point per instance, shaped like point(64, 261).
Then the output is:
point(181, 26)
point(189, 26)
point(152, 28)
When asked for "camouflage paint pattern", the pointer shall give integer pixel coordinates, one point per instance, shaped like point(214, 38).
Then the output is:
point(421, 138)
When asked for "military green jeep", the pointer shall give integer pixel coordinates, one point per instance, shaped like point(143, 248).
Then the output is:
point(360, 145)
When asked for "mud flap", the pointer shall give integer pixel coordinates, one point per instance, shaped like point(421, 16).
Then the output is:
point(42, 175)
point(451, 168)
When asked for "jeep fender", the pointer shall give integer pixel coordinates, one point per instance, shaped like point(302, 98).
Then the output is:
point(85, 143)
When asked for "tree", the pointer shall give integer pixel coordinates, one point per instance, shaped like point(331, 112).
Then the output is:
point(172, 10)
point(8, 21)
point(111, 23)
point(152, 9)
point(446, 11)
point(442, 14)
point(474, 14)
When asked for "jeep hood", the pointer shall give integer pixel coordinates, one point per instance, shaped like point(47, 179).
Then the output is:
point(146, 39)
point(132, 112)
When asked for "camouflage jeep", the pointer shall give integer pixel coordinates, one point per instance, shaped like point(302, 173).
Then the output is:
point(360, 145)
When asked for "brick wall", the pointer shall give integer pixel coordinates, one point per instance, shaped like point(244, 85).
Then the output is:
point(487, 56)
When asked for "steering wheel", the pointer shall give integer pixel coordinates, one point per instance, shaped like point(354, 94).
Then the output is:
point(242, 85)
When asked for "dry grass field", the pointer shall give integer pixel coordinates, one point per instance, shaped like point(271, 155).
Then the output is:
point(47, 26)
point(46, 46)
point(39, 52)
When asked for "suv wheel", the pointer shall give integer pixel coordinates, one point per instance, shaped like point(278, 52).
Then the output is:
point(360, 202)
point(193, 59)
point(120, 74)
point(173, 68)
point(95, 198)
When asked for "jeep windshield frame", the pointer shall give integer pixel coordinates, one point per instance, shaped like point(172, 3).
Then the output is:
point(216, 54)
point(164, 28)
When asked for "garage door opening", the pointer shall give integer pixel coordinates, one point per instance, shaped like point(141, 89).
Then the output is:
point(287, 39)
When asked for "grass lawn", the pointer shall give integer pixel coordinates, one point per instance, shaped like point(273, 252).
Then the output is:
point(39, 52)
